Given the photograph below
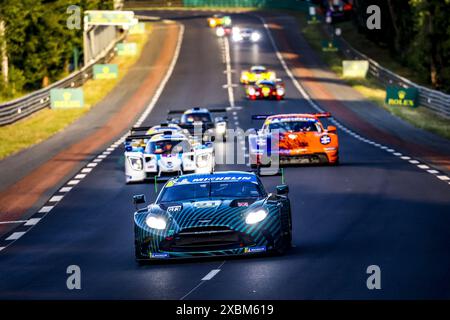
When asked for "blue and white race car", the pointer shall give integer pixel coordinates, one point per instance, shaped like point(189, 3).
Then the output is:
point(165, 150)
point(206, 215)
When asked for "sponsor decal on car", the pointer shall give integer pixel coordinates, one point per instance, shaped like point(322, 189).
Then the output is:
point(174, 209)
point(255, 249)
point(159, 255)
point(325, 139)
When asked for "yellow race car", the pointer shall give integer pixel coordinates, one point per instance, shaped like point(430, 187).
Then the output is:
point(257, 73)
point(219, 20)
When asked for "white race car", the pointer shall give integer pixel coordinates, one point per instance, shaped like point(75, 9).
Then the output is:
point(165, 151)
point(245, 35)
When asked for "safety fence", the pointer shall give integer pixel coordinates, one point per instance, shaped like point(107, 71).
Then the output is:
point(22, 107)
point(434, 100)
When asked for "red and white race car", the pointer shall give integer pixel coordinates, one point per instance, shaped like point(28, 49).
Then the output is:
point(266, 89)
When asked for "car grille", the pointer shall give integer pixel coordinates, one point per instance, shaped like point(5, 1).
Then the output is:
point(299, 159)
point(206, 238)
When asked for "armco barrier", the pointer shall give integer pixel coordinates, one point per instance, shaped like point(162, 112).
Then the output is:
point(434, 100)
point(22, 107)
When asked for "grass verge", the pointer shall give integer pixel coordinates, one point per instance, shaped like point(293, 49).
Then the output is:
point(45, 123)
point(370, 88)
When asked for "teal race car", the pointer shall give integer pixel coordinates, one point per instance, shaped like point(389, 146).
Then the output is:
point(216, 214)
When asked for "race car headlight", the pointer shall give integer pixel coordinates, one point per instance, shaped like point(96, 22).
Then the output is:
point(156, 223)
point(203, 160)
point(220, 32)
point(136, 163)
point(237, 37)
point(255, 36)
point(280, 91)
point(255, 216)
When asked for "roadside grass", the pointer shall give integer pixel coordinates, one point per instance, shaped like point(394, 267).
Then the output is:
point(370, 88)
point(47, 122)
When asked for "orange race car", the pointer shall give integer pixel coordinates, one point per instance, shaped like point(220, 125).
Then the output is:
point(293, 139)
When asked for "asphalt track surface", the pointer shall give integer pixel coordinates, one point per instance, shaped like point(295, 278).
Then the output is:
point(373, 209)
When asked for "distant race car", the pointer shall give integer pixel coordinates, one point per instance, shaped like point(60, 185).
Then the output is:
point(202, 119)
point(245, 35)
point(165, 151)
point(218, 20)
point(223, 31)
point(257, 73)
point(302, 138)
point(205, 215)
point(266, 89)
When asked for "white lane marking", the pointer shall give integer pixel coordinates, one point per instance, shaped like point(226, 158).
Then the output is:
point(211, 275)
point(423, 166)
point(65, 189)
point(444, 178)
point(73, 182)
point(398, 154)
point(405, 158)
point(200, 283)
point(111, 148)
point(102, 156)
point(32, 221)
point(15, 236)
point(433, 171)
point(91, 165)
point(236, 123)
point(228, 63)
point(55, 198)
point(1, 248)
point(97, 160)
point(13, 222)
point(86, 170)
point(46, 209)
point(414, 161)
point(80, 176)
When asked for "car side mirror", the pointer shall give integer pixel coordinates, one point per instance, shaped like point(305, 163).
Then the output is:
point(138, 199)
point(282, 189)
point(331, 129)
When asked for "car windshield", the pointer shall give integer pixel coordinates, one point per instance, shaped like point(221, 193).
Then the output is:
point(294, 126)
point(211, 190)
point(168, 147)
point(266, 84)
point(258, 70)
point(196, 117)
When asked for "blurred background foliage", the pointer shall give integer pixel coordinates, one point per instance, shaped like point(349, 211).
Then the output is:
point(38, 43)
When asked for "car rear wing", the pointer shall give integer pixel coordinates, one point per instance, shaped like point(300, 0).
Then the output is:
point(146, 128)
point(265, 116)
point(134, 137)
point(260, 116)
point(323, 115)
point(218, 110)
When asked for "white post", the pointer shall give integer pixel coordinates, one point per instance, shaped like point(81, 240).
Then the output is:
point(3, 52)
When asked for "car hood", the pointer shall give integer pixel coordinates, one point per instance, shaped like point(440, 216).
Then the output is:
point(204, 212)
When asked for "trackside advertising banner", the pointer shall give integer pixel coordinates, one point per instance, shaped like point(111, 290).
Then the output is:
point(397, 96)
point(126, 49)
point(106, 71)
point(66, 98)
point(355, 68)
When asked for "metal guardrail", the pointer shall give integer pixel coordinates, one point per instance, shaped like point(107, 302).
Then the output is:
point(434, 100)
point(22, 107)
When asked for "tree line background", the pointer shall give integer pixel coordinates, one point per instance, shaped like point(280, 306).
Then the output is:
point(417, 33)
point(39, 45)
